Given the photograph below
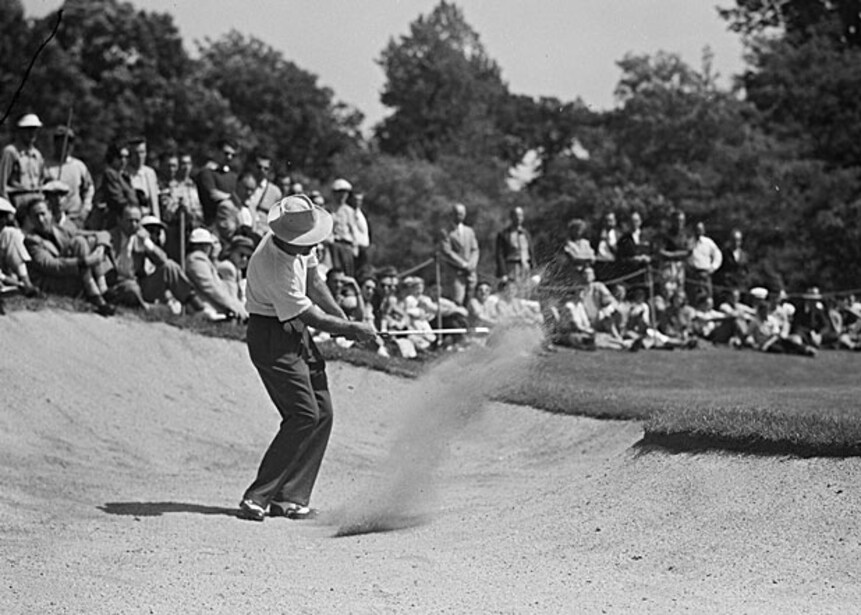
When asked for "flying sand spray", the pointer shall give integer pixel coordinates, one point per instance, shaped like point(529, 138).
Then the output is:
point(436, 408)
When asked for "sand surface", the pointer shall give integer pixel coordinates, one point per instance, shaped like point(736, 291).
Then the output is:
point(124, 448)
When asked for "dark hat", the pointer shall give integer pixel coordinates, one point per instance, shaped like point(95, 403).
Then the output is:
point(240, 242)
point(64, 131)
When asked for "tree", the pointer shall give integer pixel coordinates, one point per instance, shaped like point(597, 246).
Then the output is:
point(286, 111)
point(444, 90)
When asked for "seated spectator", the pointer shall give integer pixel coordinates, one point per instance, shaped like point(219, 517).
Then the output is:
point(599, 302)
point(55, 192)
point(482, 307)
point(64, 262)
point(347, 293)
point(156, 229)
point(511, 309)
point(218, 300)
point(233, 263)
point(766, 335)
point(619, 318)
point(14, 256)
point(676, 320)
point(420, 310)
point(133, 249)
point(450, 314)
point(576, 330)
point(368, 288)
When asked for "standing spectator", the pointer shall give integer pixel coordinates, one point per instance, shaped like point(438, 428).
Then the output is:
point(265, 195)
point(22, 167)
point(143, 177)
point(459, 250)
point(216, 296)
point(216, 182)
point(67, 263)
point(704, 260)
point(514, 251)
point(133, 249)
point(735, 271)
point(178, 195)
point(344, 244)
point(363, 231)
point(64, 167)
point(14, 256)
point(674, 250)
point(634, 245)
point(608, 238)
point(115, 191)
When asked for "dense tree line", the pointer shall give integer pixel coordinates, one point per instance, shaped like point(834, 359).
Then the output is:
point(777, 155)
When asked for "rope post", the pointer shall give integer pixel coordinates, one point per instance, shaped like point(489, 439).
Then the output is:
point(650, 283)
point(438, 276)
point(181, 211)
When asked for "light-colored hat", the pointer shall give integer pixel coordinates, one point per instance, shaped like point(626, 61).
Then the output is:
point(56, 186)
point(29, 120)
point(201, 235)
point(812, 294)
point(296, 220)
point(6, 207)
point(341, 185)
point(759, 293)
point(152, 221)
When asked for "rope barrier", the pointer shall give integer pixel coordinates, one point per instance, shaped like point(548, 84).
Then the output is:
point(418, 267)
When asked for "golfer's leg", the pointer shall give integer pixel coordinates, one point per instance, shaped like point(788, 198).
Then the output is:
point(289, 387)
point(301, 478)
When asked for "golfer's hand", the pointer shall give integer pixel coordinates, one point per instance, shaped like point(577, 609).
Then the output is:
point(362, 332)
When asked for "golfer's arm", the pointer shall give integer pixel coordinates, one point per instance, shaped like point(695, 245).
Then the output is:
point(317, 318)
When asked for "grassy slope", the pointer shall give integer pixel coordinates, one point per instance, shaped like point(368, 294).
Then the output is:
point(688, 400)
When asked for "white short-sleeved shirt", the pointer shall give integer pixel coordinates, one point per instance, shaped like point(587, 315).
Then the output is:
point(276, 281)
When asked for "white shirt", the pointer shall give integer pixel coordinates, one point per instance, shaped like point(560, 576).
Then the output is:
point(362, 234)
point(705, 255)
point(276, 281)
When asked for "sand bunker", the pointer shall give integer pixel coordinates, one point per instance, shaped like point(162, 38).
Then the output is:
point(124, 448)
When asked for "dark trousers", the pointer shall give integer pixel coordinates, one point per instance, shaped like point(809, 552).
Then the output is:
point(294, 375)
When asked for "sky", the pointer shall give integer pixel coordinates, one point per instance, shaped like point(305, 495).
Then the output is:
point(562, 48)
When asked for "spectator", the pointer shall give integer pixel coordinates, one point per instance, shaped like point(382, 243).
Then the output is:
point(450, 314)
point(344, 245)
point(736, 327)
point(133, 249)
point(264, 195)
point(64, 167)
point(420, 310)
point(22, 167)
point(482, 307)
point(143, 177)
point(514, 250)
point(511, 309)
point(345, 290)
point(233, 263)
point(14, 257)
point(115, 191)
point(608, 238)
point(576, 329)
point(178, 196)
point(156, 230)
point(388, 311)
point(674, 250)
point(634, 245)
point(55, 193)
point(704, 260)
point(735, 270)
point(368, 286)
point(598, 301)
point(67, 263)
point(766, 335)
point(363, 231)
point(217, 182)
point(459, 251)
point(577, 246)
point(219, 302)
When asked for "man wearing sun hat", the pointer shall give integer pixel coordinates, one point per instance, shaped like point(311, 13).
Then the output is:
point(285, 296)
point(22, 167)
point(63, 166)
point(202, 272)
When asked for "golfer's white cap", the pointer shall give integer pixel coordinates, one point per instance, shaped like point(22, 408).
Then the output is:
point(341, 185)
point(201, 235)
point(29, 120)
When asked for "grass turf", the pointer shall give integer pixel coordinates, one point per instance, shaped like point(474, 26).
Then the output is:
point(709, 398)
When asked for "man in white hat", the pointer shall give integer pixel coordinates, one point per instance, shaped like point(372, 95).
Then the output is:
point(285, 296)
point(22, 167)
point(55, 192)
point(219, 301)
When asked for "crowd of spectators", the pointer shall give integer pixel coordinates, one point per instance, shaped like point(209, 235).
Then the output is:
point(180, 235)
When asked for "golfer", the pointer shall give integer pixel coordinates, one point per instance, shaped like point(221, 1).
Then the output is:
point(285, 296)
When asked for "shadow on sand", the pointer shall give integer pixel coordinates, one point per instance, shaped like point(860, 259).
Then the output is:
point(156, 509)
